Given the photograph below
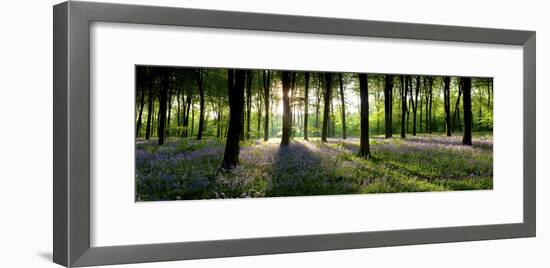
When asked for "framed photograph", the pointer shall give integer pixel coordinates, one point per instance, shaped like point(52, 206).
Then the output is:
point(185, 134)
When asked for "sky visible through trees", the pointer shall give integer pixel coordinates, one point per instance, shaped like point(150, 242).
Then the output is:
point(206, 133)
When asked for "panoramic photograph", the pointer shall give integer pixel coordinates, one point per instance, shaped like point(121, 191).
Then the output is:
point(218, 133)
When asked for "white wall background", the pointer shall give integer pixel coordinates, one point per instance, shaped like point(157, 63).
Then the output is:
point(26, 132)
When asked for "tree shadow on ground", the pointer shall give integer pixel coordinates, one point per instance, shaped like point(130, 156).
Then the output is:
point(298, 171)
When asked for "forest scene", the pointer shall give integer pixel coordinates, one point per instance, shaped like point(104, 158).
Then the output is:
point(213, 133)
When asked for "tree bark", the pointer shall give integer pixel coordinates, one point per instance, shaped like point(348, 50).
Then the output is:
point(306, 103)
point(292, 103)
point(141, 87)
point(200, 83)
point(169, 108)
point(266, 75)
point(364, 147)
point(219, 119)
point(248, 102)
point(456, 114)
point(259, 108)
point(286, 79)
point(415, 103)
point(318, 101)
point(150, 110)
point(186, 115)
point(236, 83)
point(421, 97)
point(447, 106)
point(388, 102)
point(162, 107)
point(467, 102)
point(403, 93)
point(430, 101)
point(326, 108)
point(343, 106)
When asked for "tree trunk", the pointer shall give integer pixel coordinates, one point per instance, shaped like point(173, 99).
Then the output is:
point(332, 132)
point(364, 147)
point(186, 115)
point(259, 110)
point(236, 82)
point(291, 104)
point(415, 103)
point(192, 121)
point(467, 102)
point(447, 106)
point(408, 91)
point(343, 106)
point(266, 75)
point(456, 113)
point(200, 83)
point(306, 103)
point(430, 101)
point(141, 106)
point(150, 110)
point(318, 102)
point(421, 97)
point(162, 107)
point(286, 79)
point(170, 93)
point(403, 93)
point(219, 118)
point(326, 108)
point(248, 102)
point(388, 101)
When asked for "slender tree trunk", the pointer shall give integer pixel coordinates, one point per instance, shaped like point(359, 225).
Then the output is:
point(140, 113)
point(377, 105)
point(259, 110)
point(150, 110)
point(286, 79)
point(248, 102)
point(328, 94)
point(447, 106)
point(178, 108)
point(408, 91)
point(364, 147)
point(421, 97)
point(318, 103)
point(219, 119)
point(291, 103)
point(343, 106)
point(162, 107)
point(429, 115)
point(403, 93)
point(236, 103)
point(192, 121)
point(200, 83)
point(466, 88)
point(186, 116)
point(266, 75)
point(415, 103)
point(171, 89)
point(427, 100)
point(306, 103)
point(456, 114)
point(388, 102)
point(259, 116)
point(332, 132)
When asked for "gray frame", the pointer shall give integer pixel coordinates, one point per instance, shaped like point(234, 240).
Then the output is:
point(71, 116)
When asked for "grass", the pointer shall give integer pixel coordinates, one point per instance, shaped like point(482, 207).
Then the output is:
point(189, 169)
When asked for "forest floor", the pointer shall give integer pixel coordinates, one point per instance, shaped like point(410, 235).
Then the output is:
point(189, 169)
